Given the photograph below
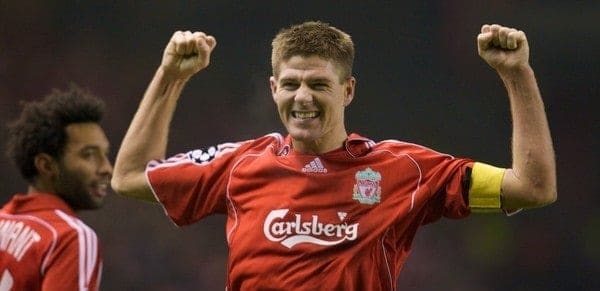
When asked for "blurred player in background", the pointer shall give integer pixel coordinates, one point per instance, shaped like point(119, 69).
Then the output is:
point(322, 208)
point(62, 152)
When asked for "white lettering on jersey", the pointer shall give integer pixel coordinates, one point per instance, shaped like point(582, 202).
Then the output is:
point(16, 238)
point(296, 231)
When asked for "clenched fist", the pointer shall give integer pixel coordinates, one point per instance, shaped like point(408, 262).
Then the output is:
point(187, 53)
point(503, 48)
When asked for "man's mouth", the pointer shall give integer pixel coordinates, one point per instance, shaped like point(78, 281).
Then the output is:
point(100, 189)
point(305, 114)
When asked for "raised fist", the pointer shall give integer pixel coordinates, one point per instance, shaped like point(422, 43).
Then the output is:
point(187, 53)
point(503, 48)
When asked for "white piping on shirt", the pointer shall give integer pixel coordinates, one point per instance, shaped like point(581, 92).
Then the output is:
point(88, 248)
point(387, 263)
point(230, 232)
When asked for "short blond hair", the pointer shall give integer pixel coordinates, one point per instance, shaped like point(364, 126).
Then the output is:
point(313, 38)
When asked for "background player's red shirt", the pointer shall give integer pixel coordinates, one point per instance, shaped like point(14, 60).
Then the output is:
point(343, 220)
point(44, 246)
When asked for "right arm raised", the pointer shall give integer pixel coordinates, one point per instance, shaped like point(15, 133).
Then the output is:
point(146, 139)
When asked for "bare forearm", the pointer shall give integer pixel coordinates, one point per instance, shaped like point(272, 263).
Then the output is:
point(533, 173)
point(146, 138)
point(186, 54)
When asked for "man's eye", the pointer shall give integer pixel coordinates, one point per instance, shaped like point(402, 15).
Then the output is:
point(319, 86)
point(289, 86)
point(88, 155)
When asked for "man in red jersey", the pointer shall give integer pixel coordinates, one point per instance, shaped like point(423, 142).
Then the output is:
point(61, 150)
point(322, 208)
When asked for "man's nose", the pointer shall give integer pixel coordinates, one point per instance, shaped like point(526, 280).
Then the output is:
point(105, 166)
point(304, 94)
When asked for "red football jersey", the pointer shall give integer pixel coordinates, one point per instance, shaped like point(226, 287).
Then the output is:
point(44, 246)
point(343, 220)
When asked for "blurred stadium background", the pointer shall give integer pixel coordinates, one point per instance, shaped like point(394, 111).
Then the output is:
point(419, 80)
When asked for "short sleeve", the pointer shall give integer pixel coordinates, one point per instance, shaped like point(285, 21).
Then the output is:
point(192, 185)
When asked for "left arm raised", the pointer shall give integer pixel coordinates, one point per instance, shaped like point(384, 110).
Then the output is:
point(531, 181)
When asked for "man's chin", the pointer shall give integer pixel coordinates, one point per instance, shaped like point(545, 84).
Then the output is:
point(303, 135)
point(92, 202)
point(96, 203)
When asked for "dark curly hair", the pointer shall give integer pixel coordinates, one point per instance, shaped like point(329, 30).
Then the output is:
point(41, 126)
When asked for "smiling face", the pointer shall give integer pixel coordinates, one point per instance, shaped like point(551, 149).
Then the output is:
point(84, 170)
point(311, 99)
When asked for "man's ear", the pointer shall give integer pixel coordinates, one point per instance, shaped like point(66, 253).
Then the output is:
point(45, 165)
point(350, 87)
point(273, 83)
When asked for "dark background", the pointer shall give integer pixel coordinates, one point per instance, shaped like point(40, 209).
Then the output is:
point(419, 80)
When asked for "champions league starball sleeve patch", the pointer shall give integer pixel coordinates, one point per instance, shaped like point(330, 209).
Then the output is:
point(202, 156)
point(205, 155)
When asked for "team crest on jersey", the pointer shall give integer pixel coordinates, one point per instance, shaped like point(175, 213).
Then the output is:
point(367, 189)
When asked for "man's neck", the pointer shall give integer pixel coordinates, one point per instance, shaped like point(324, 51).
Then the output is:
point(320, 146)
point(39, 186)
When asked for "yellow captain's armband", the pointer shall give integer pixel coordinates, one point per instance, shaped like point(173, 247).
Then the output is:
point(485, 188)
